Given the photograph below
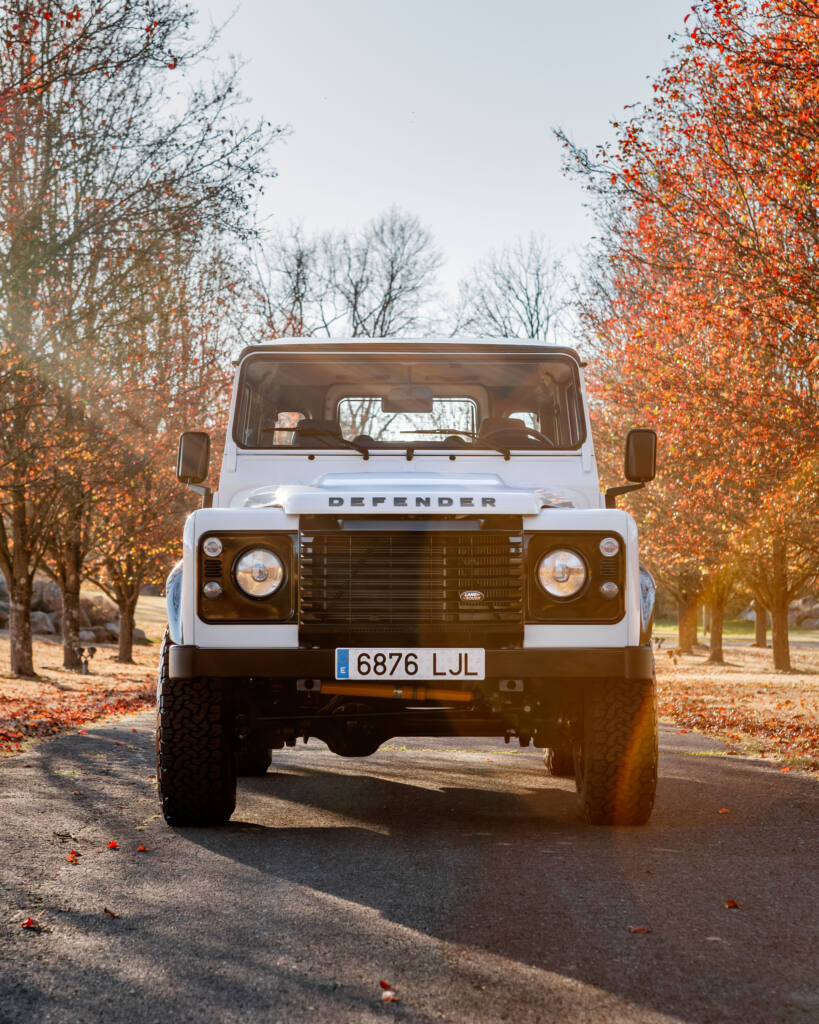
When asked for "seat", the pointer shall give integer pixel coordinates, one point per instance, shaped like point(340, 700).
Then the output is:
point(494, 424)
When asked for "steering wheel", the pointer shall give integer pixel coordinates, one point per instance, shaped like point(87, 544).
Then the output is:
point(508, 435)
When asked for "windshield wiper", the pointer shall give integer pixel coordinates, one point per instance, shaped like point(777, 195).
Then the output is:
point(336, 439)
point(475, 438)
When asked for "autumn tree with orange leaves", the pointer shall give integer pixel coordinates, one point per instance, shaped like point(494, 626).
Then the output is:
point(703, 291)
point(98, 184)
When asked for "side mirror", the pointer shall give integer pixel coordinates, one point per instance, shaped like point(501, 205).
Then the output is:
point(193, 459)
point(641, 455)
point(641, 463)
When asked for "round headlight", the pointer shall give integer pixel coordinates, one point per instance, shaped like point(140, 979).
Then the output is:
point(562, 573)
point(259, 573)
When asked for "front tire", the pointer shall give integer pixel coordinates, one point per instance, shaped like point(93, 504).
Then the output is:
point(195, 760)
point(615, 753)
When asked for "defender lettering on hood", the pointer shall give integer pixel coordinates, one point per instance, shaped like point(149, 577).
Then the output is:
point(410, 501)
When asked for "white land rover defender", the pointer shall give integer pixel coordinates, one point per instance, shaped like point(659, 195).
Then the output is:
point(408, 539)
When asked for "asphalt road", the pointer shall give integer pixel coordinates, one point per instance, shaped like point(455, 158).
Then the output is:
point(456, 871)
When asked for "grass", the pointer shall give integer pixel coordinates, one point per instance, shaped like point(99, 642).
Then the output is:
point(733, 629)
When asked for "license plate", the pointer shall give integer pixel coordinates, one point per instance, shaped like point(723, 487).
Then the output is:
point(422, 664)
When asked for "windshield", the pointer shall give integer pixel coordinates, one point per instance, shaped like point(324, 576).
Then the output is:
point(430, 402)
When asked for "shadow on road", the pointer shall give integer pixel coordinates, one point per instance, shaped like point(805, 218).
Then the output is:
point(467, 879)
point(517, 875)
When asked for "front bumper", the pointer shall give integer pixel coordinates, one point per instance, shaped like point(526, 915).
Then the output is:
point(188, 662)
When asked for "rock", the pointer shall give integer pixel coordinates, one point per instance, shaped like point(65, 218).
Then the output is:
point(46, 596)
point(112, 628)
point(101, 634)
point(4, 619)
point(810, 622)
point(42, 623)
point(98, 610)
point(810, 611)
point(87, 636)
point(138, 636)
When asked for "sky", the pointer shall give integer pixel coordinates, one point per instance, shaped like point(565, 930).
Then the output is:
point(445, 108)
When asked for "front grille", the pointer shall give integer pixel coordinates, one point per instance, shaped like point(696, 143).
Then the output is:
point(609, 569)
point(406, 587)
point(213, 569)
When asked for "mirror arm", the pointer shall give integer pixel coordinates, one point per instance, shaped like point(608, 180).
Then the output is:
point(612, 493)
point(205, 491)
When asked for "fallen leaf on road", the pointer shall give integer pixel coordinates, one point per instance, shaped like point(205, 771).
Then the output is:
point(724, 810)
point(639, 929)
point(142, 849)
point(133, 730)
point(683, 730)
point(731, 905)
point(110, 913)
point(33, 925)
point(113, 845)
point(388, 996)
point(785, 769)
point(385, 984)
point(72, 858)
point(76, 792)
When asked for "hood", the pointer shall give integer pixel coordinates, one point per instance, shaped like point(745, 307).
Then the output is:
point(405, 494)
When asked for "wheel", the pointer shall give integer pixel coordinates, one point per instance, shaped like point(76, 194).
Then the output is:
point(559, 762)
point(615, 753)
point(253, 760)
point(195, 762)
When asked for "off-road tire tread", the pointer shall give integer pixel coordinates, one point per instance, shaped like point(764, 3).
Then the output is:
point(559, 762)
point(195, 761)
point(618, 780)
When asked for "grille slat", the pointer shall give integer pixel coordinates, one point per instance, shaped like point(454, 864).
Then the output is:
point(380, 586)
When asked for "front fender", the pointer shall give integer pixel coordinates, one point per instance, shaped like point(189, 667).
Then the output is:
point(648, 595)
point(173, 599)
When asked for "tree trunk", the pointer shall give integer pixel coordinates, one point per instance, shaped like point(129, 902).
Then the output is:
point(71, 626)
point(127, 607)
point(779, 605)
point(760, 624)
point(22, 659)
point(686, 624)
point(717, 610)
point(68, 555)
